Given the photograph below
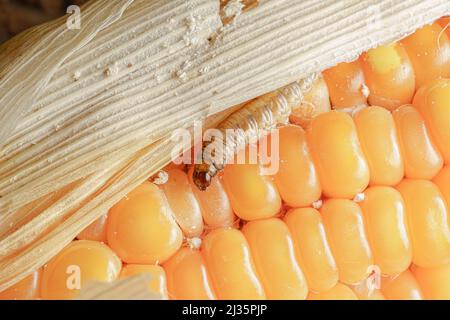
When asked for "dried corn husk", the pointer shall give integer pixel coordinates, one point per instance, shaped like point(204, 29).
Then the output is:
point(86, 115)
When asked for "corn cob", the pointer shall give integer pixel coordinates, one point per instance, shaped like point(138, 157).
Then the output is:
point(367, 200)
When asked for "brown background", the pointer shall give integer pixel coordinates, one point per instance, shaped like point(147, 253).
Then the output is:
point(18, 15)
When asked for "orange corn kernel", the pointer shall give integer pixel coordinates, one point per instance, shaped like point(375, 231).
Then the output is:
point(389, 76)
point(432, 101)
point(386, 226)
point(187, 277)
point(296, 179)
point(141, 228)
point(157, 282)
point(434, 282)
point(379, 142)
point(333, 141)
point(401, 287)
point(312, 249)
point(344, 226)
point(214, 203)
point(442, 180)
point(184, 205)
point(230, 265)
point(252, 195)
point(426, 213)
point(315, 102)
point(78, 263)
point(421, 157)
point(429, 51)
point(338, 292)
point(26, 289)
point(444, 22)
point(346, 85)
point(96, 231)
point(272, 250)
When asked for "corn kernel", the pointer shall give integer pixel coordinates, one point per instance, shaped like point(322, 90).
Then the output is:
point(379, 142)
point(432, 101)
point(389, 75)
point(384, 216)
point(346, 85)
point(426, 213)
point(230, 265)
point(184, 205)
point(296, 179)
point(338, 292)
point(401, 287)
point(272, 250)
point(252, 195)
point(187, 276)
point(343, 170)
point(311, 245)
point(78, 263)
point(214, 203)
point(429, 51)
point(421, 157)
point(157, 282)
point(345, 229)
point(434, 282)
point(141, 229)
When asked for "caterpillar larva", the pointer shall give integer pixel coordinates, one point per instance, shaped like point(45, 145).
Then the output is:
point(250, 123)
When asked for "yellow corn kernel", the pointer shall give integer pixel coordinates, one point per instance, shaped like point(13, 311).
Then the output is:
point(401, 287)
point(426, 213)
point(346, 85)
point(272, 250)
point(338, 292)
point(343, 170)
point(78, 263)
point(252, 195)
point(442, 180)
point(386, 226)
point(230, 265)
point(141, 228)
point(434, 282)
point(157, 284)
point(214, 203)
point(315, 102)
point(184, 205)
point(296, 179)
point(345, 229)
point(187, 276)
point(26, 289)
point(96, 231)
point(379, 142)
point(432, 101)
point(421, 157)
point(389, 75)
point(429, 51)
point(312, 249)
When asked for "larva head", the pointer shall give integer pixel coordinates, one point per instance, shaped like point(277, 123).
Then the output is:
point(202, 177)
